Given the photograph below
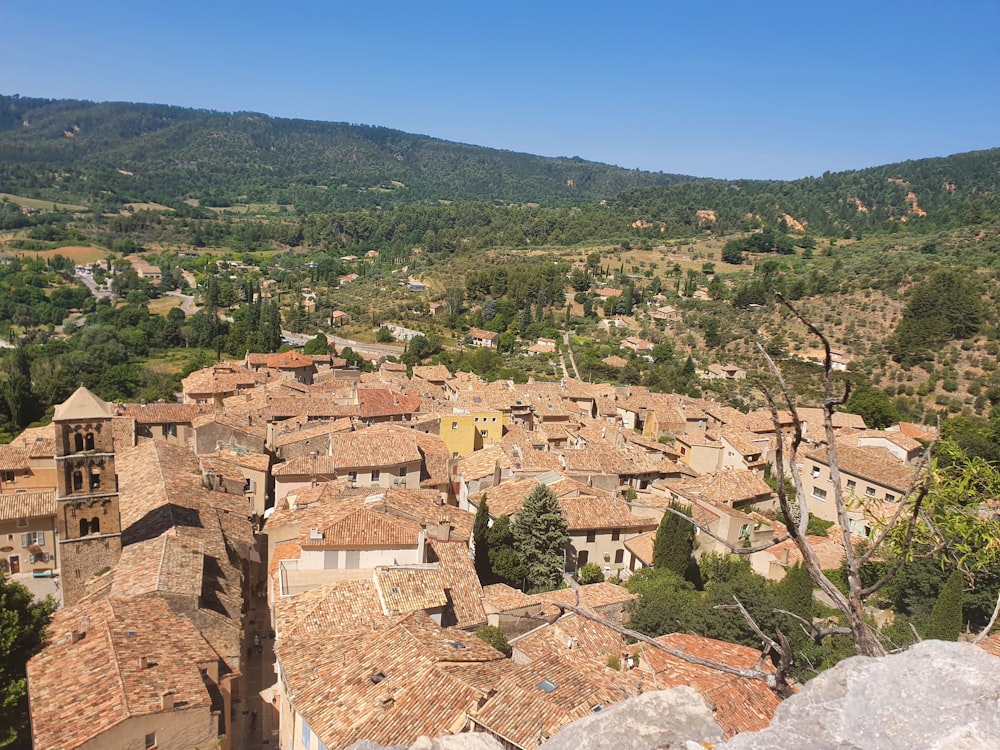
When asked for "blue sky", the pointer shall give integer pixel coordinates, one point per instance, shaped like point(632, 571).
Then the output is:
point(720, 89)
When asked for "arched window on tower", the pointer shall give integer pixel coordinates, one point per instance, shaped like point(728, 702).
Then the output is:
point(84, 527)
point(77, 442)
point(95, 525)
point(77, 481)
point(89, 440)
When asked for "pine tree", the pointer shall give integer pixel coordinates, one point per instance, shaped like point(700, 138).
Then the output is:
point(540, 537)
point(945, 622)
point(674, 542)
point(480, 538)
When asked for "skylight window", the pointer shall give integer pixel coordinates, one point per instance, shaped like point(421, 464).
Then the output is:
point(458, 645)
point(547, 685)
point(377, 678)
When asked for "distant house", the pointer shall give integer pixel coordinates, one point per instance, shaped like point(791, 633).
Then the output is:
point(666, 313)
point(145, 270)
point(725, 372)
point(638, 345)
point(416, 286)
point(543, 346)
point(437, 308)
point(339, 318)
point(485, 339)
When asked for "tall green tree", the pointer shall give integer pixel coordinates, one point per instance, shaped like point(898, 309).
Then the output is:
point(674, 541)
point(17, 395)
point(23, 621)
point(945, 622)
point(481, 542)
point(540, 537)
point(505, 563)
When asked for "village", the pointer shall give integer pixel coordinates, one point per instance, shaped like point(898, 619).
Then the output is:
point(284, 558)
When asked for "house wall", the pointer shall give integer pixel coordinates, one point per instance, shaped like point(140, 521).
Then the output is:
point(40, 477)
point(12, 544)
point(178, 729)
point(463, 433)
point(171, 433)
point(366, 558)
point(816, 480)
point(604, 550)
point(208, 437)
point(705, 459)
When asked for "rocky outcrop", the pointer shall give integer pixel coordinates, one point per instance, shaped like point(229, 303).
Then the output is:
point(933, 696)
point(664, 719)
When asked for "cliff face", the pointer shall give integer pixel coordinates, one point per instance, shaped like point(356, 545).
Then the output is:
point(934, 695)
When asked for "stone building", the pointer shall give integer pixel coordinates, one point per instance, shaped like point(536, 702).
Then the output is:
point(87, 511)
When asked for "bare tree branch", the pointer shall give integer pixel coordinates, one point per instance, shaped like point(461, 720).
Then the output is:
point(989, 626)
point(750, 674)
point(782, 650)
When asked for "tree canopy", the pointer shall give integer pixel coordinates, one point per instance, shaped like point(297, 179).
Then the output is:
point(540, 537)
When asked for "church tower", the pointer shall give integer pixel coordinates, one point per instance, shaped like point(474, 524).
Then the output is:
point(87, 513)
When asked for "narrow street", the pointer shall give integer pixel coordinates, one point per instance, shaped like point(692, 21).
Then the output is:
point(254, 726)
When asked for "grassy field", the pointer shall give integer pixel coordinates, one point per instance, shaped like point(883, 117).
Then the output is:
point(41, 204)
point(162, 305)
point(147, 207)
point(78, 253)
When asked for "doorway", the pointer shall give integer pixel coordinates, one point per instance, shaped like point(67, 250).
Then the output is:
point(15, 564)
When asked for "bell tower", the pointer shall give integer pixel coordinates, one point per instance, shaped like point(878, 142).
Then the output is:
point(87, 513)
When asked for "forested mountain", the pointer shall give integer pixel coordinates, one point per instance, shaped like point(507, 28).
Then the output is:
point(119, 152)
point(938, 192)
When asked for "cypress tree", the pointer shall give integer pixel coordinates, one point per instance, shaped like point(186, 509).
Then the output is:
point(480, 539)
point(945, 622)
point(674, 542)
point(540, 536)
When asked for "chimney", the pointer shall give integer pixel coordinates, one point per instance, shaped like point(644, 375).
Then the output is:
point(143, 662)
point(167, 701)
point(78, 635)
point(444, 530)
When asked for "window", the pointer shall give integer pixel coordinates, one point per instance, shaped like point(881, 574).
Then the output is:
point(454, 425)
point(33, 537)
point(95, 481)
point(890, 498)
point(619, 556)
point(870, 492)
point(77, 481)
point(7, 476)
point(89, 441)
point(819, 493)
point(744, 531)
point(306, 734)
point(581, 558)
point(402, 472)
point(851, 484)
point(591, 536)
point(150, 740)
point(352, 476)
point(77, 442)
point(684, 451)
point(170, 430)
point(494, 419)
point(815, 472)
point(376, 474)
point(616, 534)
point(484, 433)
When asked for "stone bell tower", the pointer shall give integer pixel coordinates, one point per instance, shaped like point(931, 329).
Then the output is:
point(87, 514)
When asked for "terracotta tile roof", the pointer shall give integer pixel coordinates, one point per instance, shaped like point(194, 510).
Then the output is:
point(246, 459)
point(80, 689)
point(864, 437)
point(592, 596)
point(424, 507)
point(571, 636)
point(727, 487)
point(741, 704)
point(479, 333)
point(167, 564)
point(583, 507)
point(615, 361)
point(309, 431)
point(841, 419)
point(39, 441)
point(82, 405)
point(483, 463)
point(362, 528)
point(526, 459)
point(290, 360)
point(220, 380)
point(874, 464)
point(367, 448)
point(160, 413)
point(642, 546)
point(323, 467)
point(503, 598)
point(465, 594)
point(342, 607)
point(255, 428)
point(387, 686)
point(382, 402)
point(15, 505)
point(123, 433)
point(403, 589)
point(829, 550)
point(14, 458)
point(433, 373)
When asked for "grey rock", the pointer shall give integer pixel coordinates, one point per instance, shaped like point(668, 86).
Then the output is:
point(465, 741)
point(933, 696)
point(662, 719)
